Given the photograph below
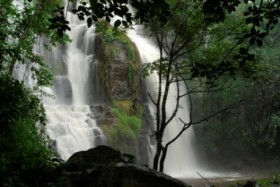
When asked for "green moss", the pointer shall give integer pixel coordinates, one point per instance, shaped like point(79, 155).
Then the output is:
point(123, 132)
point(128, 125)
point(128, 118)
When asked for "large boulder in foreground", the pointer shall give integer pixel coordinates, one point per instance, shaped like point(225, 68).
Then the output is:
point(102, 167)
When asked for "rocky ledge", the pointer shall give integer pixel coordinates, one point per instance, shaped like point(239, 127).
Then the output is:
point(105, 167)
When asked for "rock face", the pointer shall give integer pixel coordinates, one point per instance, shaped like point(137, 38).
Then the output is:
point(119, 72)
point(119, 106)
point(101, 167)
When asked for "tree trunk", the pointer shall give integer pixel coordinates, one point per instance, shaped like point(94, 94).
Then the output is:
point(162, 159)
point(157, 156)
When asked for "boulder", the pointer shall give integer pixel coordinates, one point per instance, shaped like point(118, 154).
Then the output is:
point(93, 158)
point(102, 167)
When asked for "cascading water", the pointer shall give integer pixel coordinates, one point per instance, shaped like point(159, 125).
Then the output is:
point(180, 161)
point(69, 123)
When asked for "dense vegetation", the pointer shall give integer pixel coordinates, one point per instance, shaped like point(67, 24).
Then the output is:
point(251, 130)
point(24, 157)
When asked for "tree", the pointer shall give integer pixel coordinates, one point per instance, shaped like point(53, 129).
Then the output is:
point(191, 47)
point(22, 26)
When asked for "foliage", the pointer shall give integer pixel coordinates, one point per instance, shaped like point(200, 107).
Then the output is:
point(25, 160)
point(22, 25)
point(221, 135)
point(24, 157)
point(109, 33)
point(15, 100)
point(257, 131)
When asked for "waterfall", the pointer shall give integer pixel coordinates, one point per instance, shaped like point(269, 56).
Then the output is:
point(180, 161)
point(70, 124)
point(76, 88)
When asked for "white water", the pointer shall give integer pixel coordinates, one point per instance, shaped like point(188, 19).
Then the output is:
point(68, 114)
point(180, 161)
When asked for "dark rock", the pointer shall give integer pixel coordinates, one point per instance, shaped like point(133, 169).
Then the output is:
point(101, 155)
point(249, 183)
point(97, 167)
point(123, 176)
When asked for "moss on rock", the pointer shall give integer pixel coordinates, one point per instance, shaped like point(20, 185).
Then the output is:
point(123, 131)
point(119, 62)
